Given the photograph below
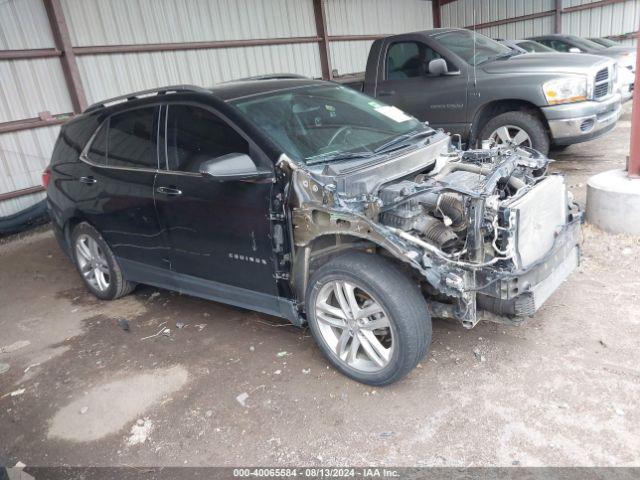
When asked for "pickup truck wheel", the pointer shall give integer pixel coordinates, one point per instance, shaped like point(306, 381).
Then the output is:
point(521, 128)
point(97, 264)
point(368, 318)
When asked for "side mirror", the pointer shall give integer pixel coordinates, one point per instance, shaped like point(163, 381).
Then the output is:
point(233, 166)
point(575, 50)
point(437, 67)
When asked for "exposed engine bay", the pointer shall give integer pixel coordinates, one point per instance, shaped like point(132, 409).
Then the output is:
point(486, 229)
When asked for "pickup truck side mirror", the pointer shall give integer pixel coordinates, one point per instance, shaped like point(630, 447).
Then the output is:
point(575, 50)
point(233, 166)
point(437, 67)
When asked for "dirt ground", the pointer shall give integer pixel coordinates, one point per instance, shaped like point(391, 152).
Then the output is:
point(234, 387)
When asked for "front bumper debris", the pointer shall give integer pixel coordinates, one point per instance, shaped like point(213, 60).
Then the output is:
point(522, 293)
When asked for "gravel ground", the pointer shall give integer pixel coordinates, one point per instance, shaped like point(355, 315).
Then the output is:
point(239, 388)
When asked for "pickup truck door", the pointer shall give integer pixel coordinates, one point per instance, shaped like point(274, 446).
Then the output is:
point(404, 81)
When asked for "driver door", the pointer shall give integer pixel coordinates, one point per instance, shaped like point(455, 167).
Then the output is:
point(407, 84)
point(219, 232)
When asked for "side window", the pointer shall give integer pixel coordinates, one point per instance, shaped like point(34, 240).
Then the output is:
point(409, 60)
point(560, 46)
point(98, 150)
point(130, 139)
point(195, 135)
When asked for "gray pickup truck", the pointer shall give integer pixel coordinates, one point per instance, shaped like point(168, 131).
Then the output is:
point(473, 86)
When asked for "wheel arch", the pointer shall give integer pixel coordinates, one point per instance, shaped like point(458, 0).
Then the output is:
point(497, 107)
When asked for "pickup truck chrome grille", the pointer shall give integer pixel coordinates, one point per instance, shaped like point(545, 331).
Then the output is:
point(540, 214)
point(602, 84)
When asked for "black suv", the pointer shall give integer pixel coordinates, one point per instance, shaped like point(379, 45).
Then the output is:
point(313, 202)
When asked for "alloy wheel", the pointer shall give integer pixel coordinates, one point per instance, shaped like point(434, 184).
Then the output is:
point(93, 263)
point(354, 326)
point(510, 134)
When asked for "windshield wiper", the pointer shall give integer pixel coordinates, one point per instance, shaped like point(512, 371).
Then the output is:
point(498, 57)
point(332, 157)
point(395, 142)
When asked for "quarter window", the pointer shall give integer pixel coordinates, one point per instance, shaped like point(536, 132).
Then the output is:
point(195, 135)
point(131, 141)
point(98, 150)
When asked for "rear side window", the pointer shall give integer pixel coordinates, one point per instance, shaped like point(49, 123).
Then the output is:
point(98, 149)
point(131, 140)
point(195, 135)
point(73, 138)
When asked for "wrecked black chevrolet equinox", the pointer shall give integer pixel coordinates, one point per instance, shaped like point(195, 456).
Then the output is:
point(310, 201)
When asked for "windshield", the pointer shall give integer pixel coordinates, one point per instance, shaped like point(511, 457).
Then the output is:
point(461, 42)
point(605, 42)
point(322, 122)
point(585, 44)
point(534, 47)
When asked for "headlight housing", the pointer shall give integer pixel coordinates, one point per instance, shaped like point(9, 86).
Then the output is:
point(565, 90)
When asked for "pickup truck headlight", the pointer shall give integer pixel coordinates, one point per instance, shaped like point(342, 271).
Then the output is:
point(565, 90)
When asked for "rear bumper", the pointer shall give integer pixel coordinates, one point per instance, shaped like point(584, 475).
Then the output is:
point(582, 121)
point(522, 293)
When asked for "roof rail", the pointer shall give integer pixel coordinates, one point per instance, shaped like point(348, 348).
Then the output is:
point(271, 76)
point(144, 93)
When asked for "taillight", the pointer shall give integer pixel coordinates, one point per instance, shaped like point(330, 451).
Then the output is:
point(46, 177)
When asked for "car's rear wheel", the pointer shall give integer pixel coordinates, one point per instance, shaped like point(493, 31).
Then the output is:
point(520, 128)
point(97, 264)
point(368, 318)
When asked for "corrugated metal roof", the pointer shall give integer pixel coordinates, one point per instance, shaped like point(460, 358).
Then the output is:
point(118, 22)
point(24, 25)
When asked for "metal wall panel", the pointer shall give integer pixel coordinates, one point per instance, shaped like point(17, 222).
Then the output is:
point(32, 86)
point(349, 57)
point(461, 12)
point(118, 22)
point(106, 76)
point(367, 17)
point(24, 25)
point(370, 17)
point(615, 19)
point(23, 157)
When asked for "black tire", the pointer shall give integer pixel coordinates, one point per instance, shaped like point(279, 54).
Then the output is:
point(559, 148)
point(528, 122)
point(118, 286)
point(401, 300)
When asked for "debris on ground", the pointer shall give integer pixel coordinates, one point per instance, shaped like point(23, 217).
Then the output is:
point(277, 372)
point(242, 398)
point(619, 412)
point(123, 323)
point(306, 371)
point(84, 410)
point(140, 431)
point(154, 295)
point(180, 325)
point(201, 326)
point(252, 348)
point(33, 365)
point(209, 413)
point(4, 367)
point(15, 393)
point(160, 332)
point(385, 434)
point(15, 346)
point(282, 354)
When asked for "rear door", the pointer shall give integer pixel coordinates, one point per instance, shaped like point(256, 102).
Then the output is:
point(117, 178)
point(219, 231)
point(406, 83)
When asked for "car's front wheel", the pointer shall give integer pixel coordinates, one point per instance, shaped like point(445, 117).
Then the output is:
point(97, 264)
point(517, 128)
point(368, 318)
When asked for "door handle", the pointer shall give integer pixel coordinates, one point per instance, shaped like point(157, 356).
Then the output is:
point(386, 93)
point(87, 180)
point(169, 191)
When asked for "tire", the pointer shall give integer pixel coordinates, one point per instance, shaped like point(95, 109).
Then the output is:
point(559, 148)
point(527, 122)
point(98, 259)
point(379, 286)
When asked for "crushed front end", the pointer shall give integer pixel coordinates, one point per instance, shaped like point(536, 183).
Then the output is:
point(484, 230)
